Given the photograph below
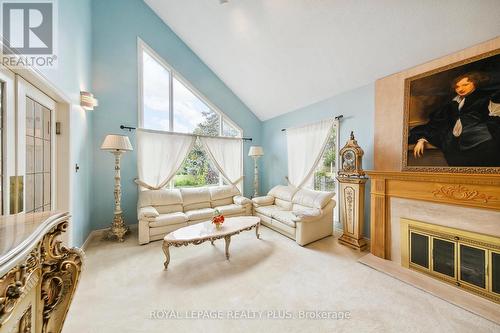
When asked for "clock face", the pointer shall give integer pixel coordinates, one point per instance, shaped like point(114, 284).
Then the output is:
point(349, 160)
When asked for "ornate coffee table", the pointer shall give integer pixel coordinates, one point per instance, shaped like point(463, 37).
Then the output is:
point(206, 231)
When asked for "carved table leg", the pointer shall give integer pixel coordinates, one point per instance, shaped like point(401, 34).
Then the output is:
point(212, 241)
point(257, 230)
point(166, 250)
point(228, 240)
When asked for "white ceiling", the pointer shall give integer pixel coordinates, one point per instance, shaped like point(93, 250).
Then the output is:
point(280, 55)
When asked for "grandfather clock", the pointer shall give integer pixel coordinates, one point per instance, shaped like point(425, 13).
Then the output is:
point(352, 182)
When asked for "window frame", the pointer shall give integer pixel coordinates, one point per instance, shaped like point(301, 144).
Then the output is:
point(144, 47)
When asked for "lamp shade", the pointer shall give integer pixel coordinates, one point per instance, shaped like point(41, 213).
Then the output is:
point(256, 151)
point(116, 142)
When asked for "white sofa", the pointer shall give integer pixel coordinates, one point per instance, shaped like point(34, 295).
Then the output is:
point(302, 215)
point(162, 211)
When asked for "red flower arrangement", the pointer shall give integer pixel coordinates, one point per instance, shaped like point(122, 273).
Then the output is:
point(218, 219)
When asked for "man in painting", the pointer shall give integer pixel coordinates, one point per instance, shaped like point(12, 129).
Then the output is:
point(466, 128)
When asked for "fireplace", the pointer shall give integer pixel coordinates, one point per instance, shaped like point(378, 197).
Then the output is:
point(468, 260)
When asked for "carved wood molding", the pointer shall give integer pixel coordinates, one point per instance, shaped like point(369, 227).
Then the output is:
point(462, 193)
point(61, 269)
point(17, 283)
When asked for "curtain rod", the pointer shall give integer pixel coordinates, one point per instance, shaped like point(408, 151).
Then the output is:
point(130, 129)
point(336, 118)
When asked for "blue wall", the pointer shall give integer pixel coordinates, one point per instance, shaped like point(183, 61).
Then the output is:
point(116, 24)
point(72, 75)
point(358, 108)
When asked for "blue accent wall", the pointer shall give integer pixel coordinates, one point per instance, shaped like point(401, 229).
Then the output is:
point(116, 25)
point(72, 75)
point(358, 108)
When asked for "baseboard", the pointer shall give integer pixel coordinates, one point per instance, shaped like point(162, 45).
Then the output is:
point(99, 233)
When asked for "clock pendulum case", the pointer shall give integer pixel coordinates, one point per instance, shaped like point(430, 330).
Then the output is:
point(352, 180)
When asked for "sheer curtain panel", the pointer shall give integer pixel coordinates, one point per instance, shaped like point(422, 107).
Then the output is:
point(305, 147)
point(159, 156)
point(226, 155)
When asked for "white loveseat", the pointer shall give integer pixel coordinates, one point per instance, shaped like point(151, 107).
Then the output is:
point(162, 211)
point(302, 215)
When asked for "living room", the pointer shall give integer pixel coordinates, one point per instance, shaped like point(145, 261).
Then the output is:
point(250, 165)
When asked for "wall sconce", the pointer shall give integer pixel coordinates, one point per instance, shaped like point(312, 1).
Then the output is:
point(87, 100)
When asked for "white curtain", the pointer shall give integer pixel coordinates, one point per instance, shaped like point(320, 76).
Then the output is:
point(226, 155)
point(159, 156)
point(305, 147)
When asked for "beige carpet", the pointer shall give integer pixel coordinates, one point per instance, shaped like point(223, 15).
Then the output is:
point(124, 286)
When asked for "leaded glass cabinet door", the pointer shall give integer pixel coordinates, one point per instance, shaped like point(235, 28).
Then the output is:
point(35, 148)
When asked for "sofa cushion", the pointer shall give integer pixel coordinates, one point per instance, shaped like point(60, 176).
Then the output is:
point(268, 210)
point(165, 209)
point(283, 192)
point(231, 209)
point(168, 219)
point(223, 195)
point(222, 202)
point(222, 192)
point(286, 205)
point(148, 212)
point(263, 201)
point(200, 214)
point(240, 200)
point(159, 198)
point(285, 216)
point(306, 214)
point(195, 198)
point(314, 199)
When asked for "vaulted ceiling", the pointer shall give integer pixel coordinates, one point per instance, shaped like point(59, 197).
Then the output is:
point(281, 55)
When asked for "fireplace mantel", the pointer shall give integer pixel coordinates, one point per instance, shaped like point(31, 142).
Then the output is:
point(469, 190)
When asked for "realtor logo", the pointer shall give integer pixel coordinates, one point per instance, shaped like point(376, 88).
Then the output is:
point(28, 32)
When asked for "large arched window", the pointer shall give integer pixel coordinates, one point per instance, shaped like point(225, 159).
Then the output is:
point(168, 102)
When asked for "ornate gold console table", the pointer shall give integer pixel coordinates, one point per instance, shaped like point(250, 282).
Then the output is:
point(38, 275)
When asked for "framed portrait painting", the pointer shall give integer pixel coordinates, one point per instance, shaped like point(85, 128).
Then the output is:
point(452, 117)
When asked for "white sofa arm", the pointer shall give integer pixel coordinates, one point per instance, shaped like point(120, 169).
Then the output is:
point(241, 200)
point(304, 215)
point(148, 212)
point(263, 201)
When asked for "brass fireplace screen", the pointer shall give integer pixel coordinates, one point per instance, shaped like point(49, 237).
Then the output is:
point(465, 259)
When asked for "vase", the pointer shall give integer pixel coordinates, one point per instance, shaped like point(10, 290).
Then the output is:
point(218, 226)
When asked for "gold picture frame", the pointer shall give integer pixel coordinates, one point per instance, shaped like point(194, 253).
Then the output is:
point(411, 103)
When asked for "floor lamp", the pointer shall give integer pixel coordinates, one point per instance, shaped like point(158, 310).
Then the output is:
point(256, 152)
point(117, 145)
